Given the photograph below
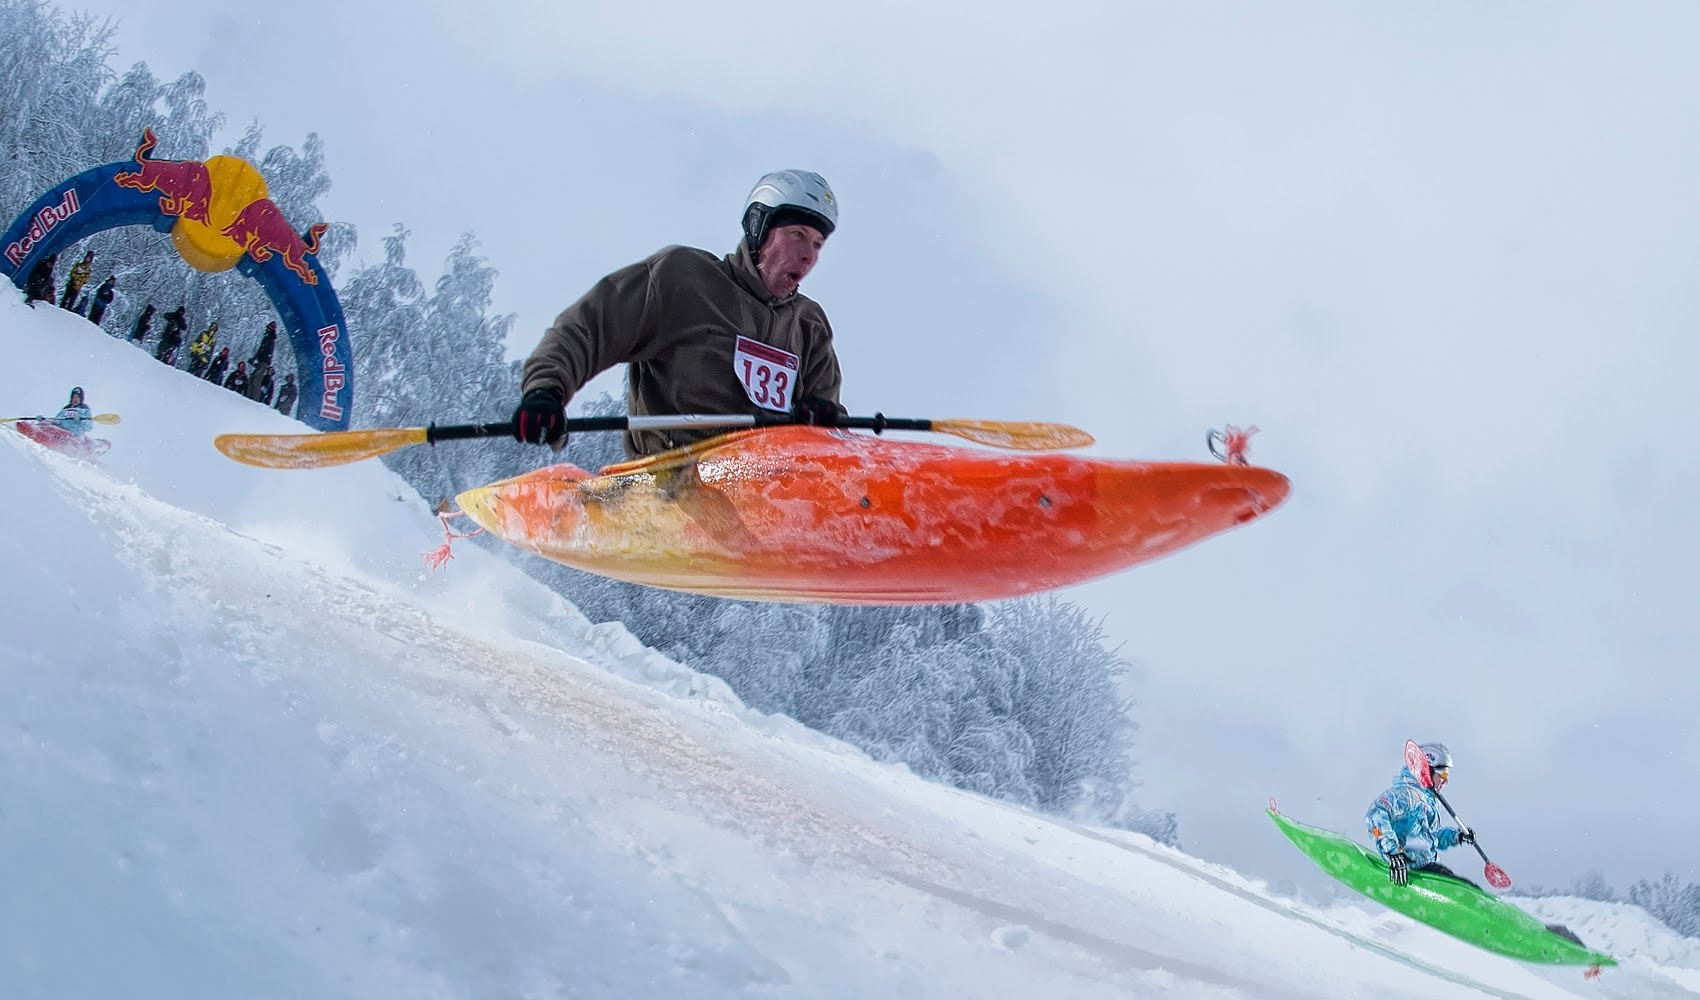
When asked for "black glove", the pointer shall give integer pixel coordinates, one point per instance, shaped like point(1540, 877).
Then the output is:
point(1398, 869)
point(541, 418)
point(817, 410)
point(1466, 836)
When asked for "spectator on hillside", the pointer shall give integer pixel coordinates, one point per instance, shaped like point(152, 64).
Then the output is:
point(103, 297)
point(257, 372)
point(268, 343)
point(286, 396)
point(139, 332)
point(201, 354)
point(201, 350)
point(260, 386)
point(215, 373)
point(79, 277)
point(39, 287)
point(172, 337)
point(238, 380)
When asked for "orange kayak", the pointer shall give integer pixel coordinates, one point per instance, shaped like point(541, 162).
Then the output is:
point(808, 514)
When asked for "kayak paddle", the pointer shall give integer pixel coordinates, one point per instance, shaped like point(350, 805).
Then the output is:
point(1494, 874)
point(311, 451)
point(99, 418)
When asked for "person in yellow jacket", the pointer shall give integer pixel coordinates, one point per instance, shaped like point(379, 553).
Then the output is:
point(702, 334)
point(201, 350)
point(78, 278)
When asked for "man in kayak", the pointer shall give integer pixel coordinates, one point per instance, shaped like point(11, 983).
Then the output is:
point(1405, 822)
point(702, 334)
point(75, 416)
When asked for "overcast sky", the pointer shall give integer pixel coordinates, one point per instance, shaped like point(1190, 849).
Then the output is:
point(1442, 256)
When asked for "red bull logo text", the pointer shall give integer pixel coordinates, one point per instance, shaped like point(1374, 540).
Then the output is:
point(41, 225)
point(261, 230)
point(335, 375)
point(184, 186)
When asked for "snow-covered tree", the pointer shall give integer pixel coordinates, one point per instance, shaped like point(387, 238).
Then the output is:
point(65, 111)
point(1672, 901)
point(52, 69)
point(436, 358)
point(385, 303)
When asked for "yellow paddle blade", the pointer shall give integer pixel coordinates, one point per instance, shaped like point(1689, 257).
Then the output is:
point(1028, 436)
point(106, 418)
point(312, 451)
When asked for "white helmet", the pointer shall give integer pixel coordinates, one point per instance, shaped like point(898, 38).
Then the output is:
point(1439, 758)
point(787, 197)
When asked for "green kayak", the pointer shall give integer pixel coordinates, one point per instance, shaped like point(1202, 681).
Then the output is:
point(1446, 904)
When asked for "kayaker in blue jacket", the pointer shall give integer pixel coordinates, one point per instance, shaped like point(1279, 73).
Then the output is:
point(1405, 821)
point(75, 416)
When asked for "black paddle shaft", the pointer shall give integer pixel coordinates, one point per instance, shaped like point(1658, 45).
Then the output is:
point(877, 423)
point(1466, 826)
point(505, 428)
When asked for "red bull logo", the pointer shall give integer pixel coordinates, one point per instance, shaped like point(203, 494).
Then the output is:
point(219, 214)
point(222, 210)
point(43, 223)
point(185, 186)
point(335, 375)
point(261, 230)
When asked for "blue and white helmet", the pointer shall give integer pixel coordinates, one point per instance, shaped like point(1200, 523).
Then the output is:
point(789, 197)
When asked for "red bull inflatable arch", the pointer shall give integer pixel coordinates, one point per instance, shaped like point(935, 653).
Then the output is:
point(219, 218)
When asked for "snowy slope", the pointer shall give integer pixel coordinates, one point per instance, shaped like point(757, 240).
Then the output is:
point(250, 747)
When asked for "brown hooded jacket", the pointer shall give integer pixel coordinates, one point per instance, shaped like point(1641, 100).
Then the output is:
point(676, 318)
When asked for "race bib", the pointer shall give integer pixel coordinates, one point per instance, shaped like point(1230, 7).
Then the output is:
point(769, 374)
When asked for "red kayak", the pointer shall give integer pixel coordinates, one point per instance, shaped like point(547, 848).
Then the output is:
point(815, 515)
point(51, 435)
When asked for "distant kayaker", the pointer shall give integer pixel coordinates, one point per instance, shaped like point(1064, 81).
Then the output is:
point(1405, 821)
point(702, 334)
point(75, 416)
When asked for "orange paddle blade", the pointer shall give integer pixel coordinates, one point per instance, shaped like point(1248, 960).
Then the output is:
point(312, 451)
point(1028, 436)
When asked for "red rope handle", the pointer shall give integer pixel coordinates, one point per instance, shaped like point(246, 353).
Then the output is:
point(1234, 441)
point(438, 557)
